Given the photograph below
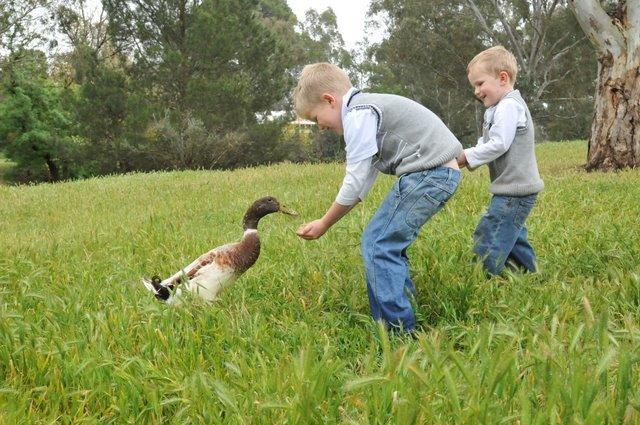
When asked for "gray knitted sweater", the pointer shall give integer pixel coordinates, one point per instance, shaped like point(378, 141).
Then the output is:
point(515, 173)
point(410, 137)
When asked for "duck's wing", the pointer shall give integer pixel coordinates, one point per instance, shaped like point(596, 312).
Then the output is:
point(216, 254)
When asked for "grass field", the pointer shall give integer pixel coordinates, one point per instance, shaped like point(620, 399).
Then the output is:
point(81, 341)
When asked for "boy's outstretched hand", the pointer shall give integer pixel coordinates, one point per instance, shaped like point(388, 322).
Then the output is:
point(312, 230)
point(317, 228)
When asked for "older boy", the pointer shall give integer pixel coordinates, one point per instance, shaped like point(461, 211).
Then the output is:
point(507, 147)
point(394, 135)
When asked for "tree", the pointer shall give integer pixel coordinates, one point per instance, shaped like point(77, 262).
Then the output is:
point(525, 27)
point(87, 35)
point(220, 61)
point(424, 58)
point(21, 23)
point(322, 40)
point(34, 127)
point(552, 54)
point(614, 31)
point(101, 88)
point(430, 43)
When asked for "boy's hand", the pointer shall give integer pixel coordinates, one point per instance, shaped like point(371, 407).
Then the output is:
point(312, 230)
point(317, 228)
point(462, 160)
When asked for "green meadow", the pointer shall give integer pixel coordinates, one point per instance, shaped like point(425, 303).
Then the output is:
point(82, 341)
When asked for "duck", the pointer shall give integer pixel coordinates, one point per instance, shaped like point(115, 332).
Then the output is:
point(220, 267)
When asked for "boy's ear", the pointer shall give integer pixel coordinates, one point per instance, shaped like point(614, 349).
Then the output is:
point(503, 76)
point(329, 98)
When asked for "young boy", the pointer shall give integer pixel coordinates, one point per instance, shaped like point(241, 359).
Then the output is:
point(394, 135)
point(507, 147)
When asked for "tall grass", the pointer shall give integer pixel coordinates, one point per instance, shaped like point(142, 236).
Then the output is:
point(81, 341)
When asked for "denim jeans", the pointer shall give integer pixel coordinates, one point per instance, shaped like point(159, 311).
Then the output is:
point(501, 235)
point(413, 200)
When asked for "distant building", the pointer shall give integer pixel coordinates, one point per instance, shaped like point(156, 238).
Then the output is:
point(300, 129)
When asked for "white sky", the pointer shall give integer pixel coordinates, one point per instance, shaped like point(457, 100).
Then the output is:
point(350, 13)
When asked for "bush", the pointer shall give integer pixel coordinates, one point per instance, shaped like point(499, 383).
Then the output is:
point(192, 145)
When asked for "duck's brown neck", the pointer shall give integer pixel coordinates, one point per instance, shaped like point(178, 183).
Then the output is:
point(248, 251)
point(250, 220)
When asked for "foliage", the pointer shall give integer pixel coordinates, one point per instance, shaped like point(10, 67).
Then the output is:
point(430, 44)
point(291, 342)
point(327, 147)
point(34, 126)
point(565, 108)
point(191, 146)
point(21, 24)
point(5, 168)
point(175, 85)
point(322, 39)
point(425, 59)
point(217, 61)
point(164, 85)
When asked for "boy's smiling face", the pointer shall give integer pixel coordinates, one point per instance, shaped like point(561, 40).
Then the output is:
point(328, 113)
point(489, 88)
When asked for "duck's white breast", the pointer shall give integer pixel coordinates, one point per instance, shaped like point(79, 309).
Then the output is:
point(210, 280)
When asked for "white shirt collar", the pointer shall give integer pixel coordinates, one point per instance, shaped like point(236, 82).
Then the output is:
point(345, 100)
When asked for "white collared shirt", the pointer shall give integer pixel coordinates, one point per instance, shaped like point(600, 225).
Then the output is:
point(359, 129)
point(505, 117)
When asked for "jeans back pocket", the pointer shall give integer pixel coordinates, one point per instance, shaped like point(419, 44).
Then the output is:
point(431, 197)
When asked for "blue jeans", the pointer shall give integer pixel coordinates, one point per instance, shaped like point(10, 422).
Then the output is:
point(413, 200)
point(501, 235)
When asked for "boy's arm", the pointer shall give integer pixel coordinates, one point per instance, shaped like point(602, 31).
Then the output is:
point(317, 228)
point(357, 182)
point(360, 128)
point(508, 115)
point(356, 185)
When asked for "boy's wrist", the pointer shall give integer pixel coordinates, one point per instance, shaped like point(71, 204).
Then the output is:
point(334, 214)
point(325, 222)
point(470, 160)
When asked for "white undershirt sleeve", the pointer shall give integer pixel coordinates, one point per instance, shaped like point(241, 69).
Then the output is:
point(357, 182)
point(507, 117)
point(360, 127)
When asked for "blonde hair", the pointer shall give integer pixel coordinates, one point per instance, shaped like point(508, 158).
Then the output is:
point(316, 79)
point(495, 60)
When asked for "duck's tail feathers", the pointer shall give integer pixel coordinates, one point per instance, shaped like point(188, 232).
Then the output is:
point(161, 292)
point(147, 284)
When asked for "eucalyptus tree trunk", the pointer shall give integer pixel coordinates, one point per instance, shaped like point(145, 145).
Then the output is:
point(615, 132)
